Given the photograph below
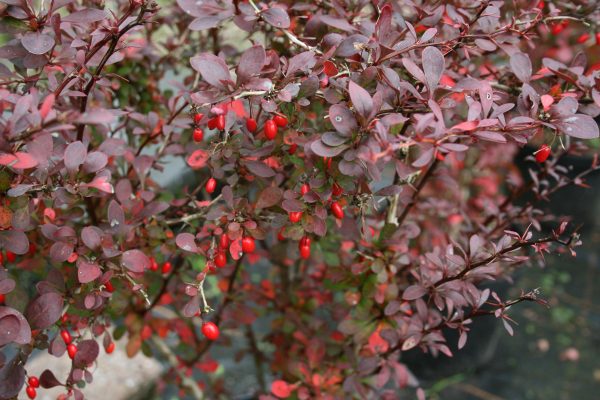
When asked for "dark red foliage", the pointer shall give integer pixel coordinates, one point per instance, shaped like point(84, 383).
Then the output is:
point(367, 185)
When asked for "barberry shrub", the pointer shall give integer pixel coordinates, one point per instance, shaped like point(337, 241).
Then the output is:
point(353, 187)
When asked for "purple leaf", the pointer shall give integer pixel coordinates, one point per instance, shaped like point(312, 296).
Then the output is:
point(269, 197)
point(91, 237)
point(323, 150)
point(45, 310)
point(15, 241)
point(301, 62)
point(212, 68)
point(362, 101)
point(86, 16)
point(12, 378)
point(277, 17)
point(48, 380)
point(95, 161)
point(61, 251)
point(414, 292)
point(87, 271)
point(9, 329)
point(521, 66)
point(433, 66)
point(22, 334)
point(251, 63)
point(202, 23)
point(579, 126)
point(187, 242)
point(342, 119)
point(74, 156)
point(260, 169)
point(135, 261)
point(87, 352)
point(37, 42)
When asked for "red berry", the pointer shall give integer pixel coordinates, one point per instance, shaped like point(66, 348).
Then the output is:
point(198, 135)
point(210, 330)
point(224, 241)
point(110, 348)
point(280, 236)
point(251, 125)
point(166, 267)
point(212, 123)
point(66, 336)
point(292, 149)
point(1, 258)
point(304, 241)
point(10, 256)
point(295, 216)
point(336, 189)
point(329, 68)
point(220, 259)
point(270, 129)
point(2, 298)
point(210, 185)
point(337, 210)
point(541, 4)
point(327, 162)
point(543, 153)
point(248, 244)
point(220, 124)
point(146, 332)
point(71, 350)
point(198, 117)
point(33, 381)
point(108, 286)
point(280, 120)
point(304, 189)
point(583, 38)
point(31, 393)
point(598, 38)
point(153, 264)
point(305, 252)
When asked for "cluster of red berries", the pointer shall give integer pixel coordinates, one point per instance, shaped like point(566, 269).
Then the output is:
point(71, 347)
point(32, 383)
point(165, 268)
point(220, 255)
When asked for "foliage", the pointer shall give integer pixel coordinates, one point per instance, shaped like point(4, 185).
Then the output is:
point(354, 183)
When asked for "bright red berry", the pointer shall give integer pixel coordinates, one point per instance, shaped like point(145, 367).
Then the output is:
point(2, 298)
point(1, 258)
point(304, 241)
point(211, 185)
point(31, 393)
point(210, 330)
point(292, 149)
point(329, 68)
point(153, 264)
point(280, 236)
point(280, 120)
point(583, 38)
point(110, 348)
point(251, 125)
point(598, 38)
point(337, 210)
point(543, 153)
point(270, 129)
point(336, 189)
point(108, 286)
point(305, 252)
point(295, 216)
point(198, 117)
point(33, 381)
point(541, 4)
point(66, 336)
point(224, 241)
point(166, 267)
point(248, 244)
point(212, 123)
point(198, 135)
point(71, 350)
point(10, 256)
point(304, 189)
point(220, 259)
point(220, 123)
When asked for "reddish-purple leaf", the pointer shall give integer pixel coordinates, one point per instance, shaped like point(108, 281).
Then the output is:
point(15, 241)
point(260, 169)
point(45, 310)
point(212, 68)
point(342, 119)
point(37, 42)
point(87, 271)
point(86, 16)
point(251, 63)
point(579, 126)
point(135, 261)
point(87, 352)
point(61, 251)
point(12, 378)
point(521, 66)
point(74, 156)
point(269, 197)
point(48, 380)
point(361, 100)
point(277, 17)
point(433, 66)
point(414, 292)
point(186, 241)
